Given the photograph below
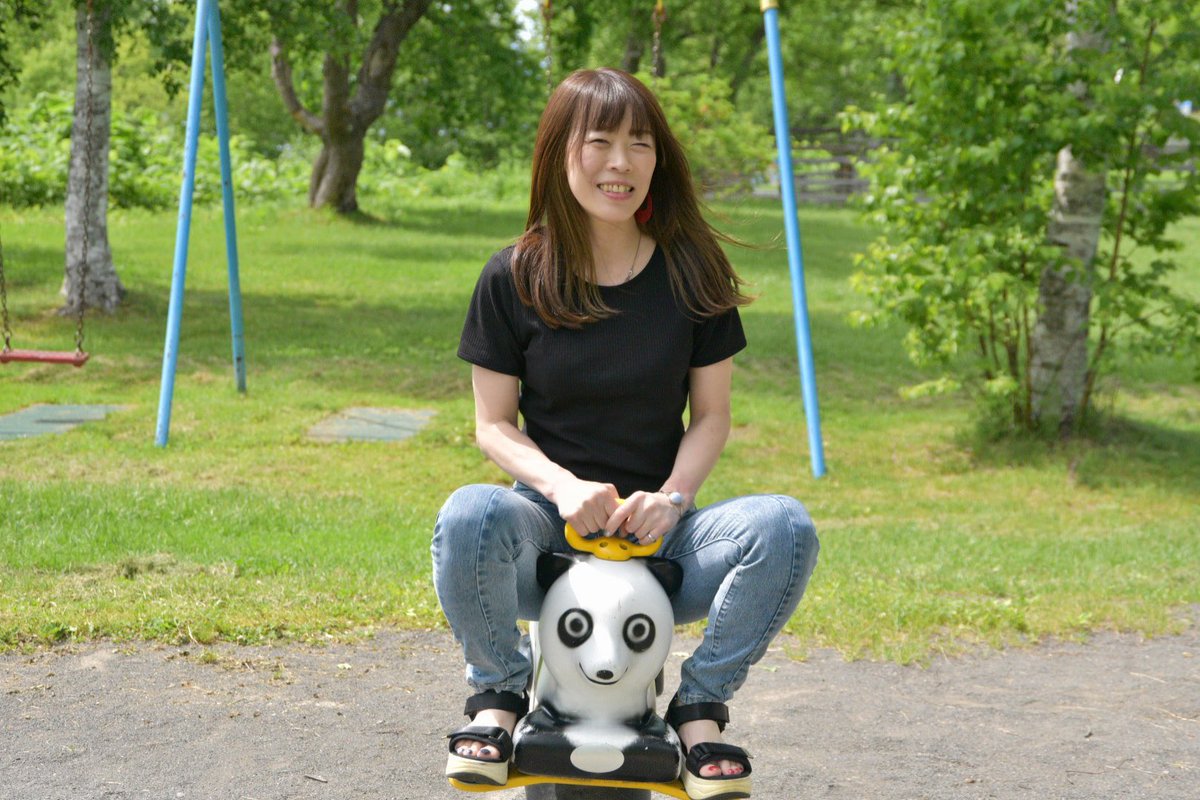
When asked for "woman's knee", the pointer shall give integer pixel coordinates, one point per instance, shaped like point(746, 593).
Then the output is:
point(463, 516)
point(488, 519)
point(782, 523)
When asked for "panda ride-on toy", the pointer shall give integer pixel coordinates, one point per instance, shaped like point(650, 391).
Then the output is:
point(598, 649)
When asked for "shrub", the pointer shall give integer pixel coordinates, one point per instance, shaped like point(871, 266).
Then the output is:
point(145, 164)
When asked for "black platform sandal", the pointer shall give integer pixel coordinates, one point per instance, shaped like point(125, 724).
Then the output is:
point(716, 787)
point(476, 769)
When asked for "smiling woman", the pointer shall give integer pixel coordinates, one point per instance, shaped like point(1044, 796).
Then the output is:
point(615, 312)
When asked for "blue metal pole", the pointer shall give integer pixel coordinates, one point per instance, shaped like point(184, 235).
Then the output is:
point(231, 249)
point(787, 185)
point(184, 227)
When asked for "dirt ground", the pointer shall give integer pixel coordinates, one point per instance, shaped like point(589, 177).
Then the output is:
point(1118, 717)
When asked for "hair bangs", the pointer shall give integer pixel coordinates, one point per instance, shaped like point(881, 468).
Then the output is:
point(608, 99)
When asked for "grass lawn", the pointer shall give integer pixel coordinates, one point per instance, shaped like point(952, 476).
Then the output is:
point(241, 529)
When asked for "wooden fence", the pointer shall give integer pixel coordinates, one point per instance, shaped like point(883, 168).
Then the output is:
point(824, 160)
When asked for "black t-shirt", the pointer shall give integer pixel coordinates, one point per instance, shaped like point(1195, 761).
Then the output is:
point(604, 401)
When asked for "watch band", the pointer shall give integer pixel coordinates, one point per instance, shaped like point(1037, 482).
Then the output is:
point(676, 500)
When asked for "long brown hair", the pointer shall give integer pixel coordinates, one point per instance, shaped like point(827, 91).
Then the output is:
point(552, 262)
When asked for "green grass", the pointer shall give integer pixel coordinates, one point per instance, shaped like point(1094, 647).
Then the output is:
point(932, 539)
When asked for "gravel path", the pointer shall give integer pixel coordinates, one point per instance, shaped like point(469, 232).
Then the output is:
point(1118, 717)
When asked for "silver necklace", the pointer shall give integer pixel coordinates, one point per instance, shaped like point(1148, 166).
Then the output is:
point(633, 266)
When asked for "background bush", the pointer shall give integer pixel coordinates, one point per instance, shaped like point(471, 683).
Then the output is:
point(146, 164)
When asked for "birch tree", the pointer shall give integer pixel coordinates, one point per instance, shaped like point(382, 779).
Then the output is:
point(1058, 350)
point(1035, 151)
point(90, 276)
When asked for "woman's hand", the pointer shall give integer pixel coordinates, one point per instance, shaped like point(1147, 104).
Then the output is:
point(587, 505)
point(648, 516)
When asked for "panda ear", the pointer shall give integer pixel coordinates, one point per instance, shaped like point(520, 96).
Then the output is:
point(551, 566)
point(668, 573)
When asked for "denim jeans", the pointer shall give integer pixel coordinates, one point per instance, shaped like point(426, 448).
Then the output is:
point(746, 563)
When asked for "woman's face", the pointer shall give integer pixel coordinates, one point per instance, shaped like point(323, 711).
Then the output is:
point(610, 172)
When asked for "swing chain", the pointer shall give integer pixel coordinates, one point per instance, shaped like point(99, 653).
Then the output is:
point(660, 15)
point(81, 292)
point(548, 36)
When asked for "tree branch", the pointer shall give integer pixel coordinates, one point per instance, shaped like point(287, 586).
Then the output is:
point(281, 71)
point(379, 60)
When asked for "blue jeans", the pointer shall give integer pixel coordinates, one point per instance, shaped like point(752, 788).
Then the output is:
point(746, 563)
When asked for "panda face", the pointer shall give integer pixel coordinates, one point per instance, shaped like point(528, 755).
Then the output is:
point(575, 627)
point(606, 630)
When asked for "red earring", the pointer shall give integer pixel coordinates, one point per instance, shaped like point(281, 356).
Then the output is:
point(643, 214)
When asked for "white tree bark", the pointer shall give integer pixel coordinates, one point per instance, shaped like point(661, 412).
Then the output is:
point(87, 180)
point(1059, 342)
point(1059, 350)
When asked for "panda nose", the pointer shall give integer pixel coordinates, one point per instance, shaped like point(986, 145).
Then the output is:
point(604, 675)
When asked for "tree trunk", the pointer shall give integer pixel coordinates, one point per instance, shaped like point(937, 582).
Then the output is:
point(90, 277)
point(347, 115)
point(1059, 350)
point(335, 175)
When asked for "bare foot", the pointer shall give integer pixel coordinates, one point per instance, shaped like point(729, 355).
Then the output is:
point(705, 730)
point(487, 718)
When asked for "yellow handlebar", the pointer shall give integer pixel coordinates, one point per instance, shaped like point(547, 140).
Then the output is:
point(610, 548)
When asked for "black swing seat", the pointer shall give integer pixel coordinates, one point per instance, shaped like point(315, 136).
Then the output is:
point(76, 358)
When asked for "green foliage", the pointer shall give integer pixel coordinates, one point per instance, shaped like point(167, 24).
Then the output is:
point(146, 158)
point(145, 161)
point(835, 56)
point(831, 48)
point(964, 189)
point(469, 80)
point(463, 86)
point(726, 148)
point(14, 14)
point(35, 152)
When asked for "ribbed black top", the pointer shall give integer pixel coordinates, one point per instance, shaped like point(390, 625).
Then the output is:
point(605, 401)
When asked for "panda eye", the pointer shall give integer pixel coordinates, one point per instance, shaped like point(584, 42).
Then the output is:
point(639, 632)
point(574, 627)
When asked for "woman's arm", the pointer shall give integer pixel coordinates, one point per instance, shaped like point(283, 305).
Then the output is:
point(585, 504)
point(650, 515)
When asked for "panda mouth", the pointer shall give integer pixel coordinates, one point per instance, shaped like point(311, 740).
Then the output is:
point(599, 682)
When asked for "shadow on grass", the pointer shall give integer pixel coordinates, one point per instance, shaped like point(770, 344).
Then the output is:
point(467, 218)
point(406, 344)
point(1117, 451)
point(853, 365)
point(26, 265)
